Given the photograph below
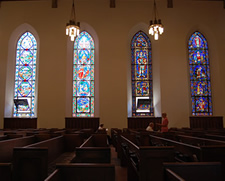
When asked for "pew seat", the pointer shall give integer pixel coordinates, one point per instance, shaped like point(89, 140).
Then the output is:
point(83, 172)
point(193, 171)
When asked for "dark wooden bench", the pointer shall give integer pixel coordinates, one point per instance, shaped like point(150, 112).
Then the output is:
point(6, 152)
point(207, 153)
point(144, 163)
point(115, 132)
point(34, 162)
point(199, 141)
point(194, 171)
point(6, 171)
point(83, 172)
point(6, 147)
point(94, 150)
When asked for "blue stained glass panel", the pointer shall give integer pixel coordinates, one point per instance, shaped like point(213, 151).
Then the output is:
point(83, 105)
point(199, 75)
point(199, 72)
point(83, 57)
point(83, 76)
point(199, 88)
point(141, 73)
point(142, 88)
point(83, 72)
point(83, 88)
point(141, 57)
point(198, 57)
point(25, 74)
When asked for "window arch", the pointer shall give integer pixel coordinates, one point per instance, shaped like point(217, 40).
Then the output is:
point(201, 97)
point(25, 75)
point(141, 75)
point(83, 76)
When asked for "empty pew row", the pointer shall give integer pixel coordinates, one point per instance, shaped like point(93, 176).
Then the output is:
point(191, 153)
point(6, 152)
point(94, 150)
point(198, 140)
point(92, 162)
point(83, 172)
point(194, 171)
point(35, 161)
point(145, 163)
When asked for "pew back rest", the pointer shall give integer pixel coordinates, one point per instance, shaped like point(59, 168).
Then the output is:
point(195, 171)
point(6, 171)
point(199, 141)
point(96, 140)
point(55, 147)
point(94, 150)
point(100, 140)
point(83, 172)
point(169, 175)
point(6, 147)
point(93, 155)
point(30, 163)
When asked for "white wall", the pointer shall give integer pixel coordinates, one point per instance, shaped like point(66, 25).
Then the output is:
point(113, 29)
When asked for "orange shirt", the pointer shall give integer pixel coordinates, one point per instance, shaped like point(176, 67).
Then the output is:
point(164, 127)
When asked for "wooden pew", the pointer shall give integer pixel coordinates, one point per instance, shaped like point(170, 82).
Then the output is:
point(144, 163)
point(208, 153)
point(115, 132)
point(6, 171)
point(6, 147)
point(83, 172)
point(194, 171)
point(121, 147)
point(199, 141)
point(35, 161)
point(6, 153)
point(94, 150)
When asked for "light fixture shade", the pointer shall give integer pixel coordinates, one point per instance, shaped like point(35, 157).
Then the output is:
point(156, 28)
point(73, 28)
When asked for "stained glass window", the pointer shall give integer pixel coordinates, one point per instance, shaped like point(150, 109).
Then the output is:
point(201, 97)
point(83, 76)
point(26, 54)
point(141, 67)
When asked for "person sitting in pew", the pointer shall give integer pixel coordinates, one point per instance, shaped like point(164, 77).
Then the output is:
point(165, 122)
point(101, 129)
point(150, 127)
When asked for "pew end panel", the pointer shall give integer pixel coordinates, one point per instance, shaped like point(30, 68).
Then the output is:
point(92, 155)
point(151, 161)
point(83, 172)
point(6, 171)
point(169, 175)
point(30, 164)
point(193, 171)
point(6, 147)
point(72, 141)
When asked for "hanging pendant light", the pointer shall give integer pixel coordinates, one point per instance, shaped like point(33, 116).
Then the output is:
point(156, 28)
point(73, 27)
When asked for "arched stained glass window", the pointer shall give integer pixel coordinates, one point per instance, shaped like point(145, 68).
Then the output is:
point(141, 67)
point(24, 93)
point(83, 76)
point(199, 75)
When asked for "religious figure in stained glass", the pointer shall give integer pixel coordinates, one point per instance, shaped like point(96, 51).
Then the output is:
point(25, 74)
point(142, 99)
point(199, 75)
point(83, 76)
